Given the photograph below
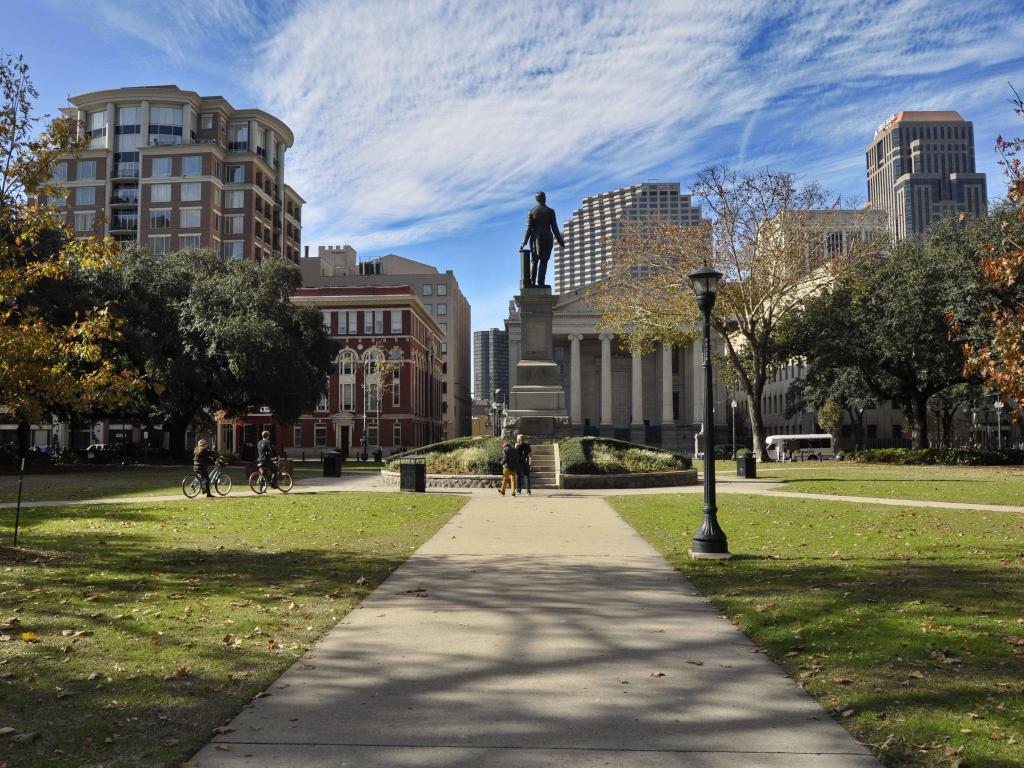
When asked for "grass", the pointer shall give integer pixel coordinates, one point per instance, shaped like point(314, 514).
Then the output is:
point(980, 485)
point(147, 625)
point(906, 623)
point(132, 480)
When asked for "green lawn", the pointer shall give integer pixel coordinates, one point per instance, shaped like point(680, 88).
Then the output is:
point(129, 631)
point(983, 485)
point(129, 481)
point(906, 623)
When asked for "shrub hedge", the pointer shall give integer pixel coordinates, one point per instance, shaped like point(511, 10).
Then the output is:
point(968, 457)
point(605, 456)
point(459, 456)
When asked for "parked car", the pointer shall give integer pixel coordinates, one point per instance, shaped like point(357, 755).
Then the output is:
point(100, 453)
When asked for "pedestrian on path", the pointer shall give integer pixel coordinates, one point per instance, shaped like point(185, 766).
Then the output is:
point(509, 467)
point(523, 451)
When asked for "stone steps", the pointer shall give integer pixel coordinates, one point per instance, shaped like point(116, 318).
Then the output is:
point(542, 467)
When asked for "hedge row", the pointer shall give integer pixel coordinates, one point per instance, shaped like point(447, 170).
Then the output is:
point(459, 456)
point(606, 456)
point(968, 457)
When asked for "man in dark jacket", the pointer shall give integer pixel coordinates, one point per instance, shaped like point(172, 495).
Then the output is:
point(265, 455)
point(509, 465)
point(523, 451)
point(541, 232)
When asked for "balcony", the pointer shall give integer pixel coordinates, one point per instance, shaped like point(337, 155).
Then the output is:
point(125, 198)
point(124, 223)
point(125, 171)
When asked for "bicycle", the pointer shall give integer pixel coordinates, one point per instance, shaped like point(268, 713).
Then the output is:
point(220, 481)
point(258, 482)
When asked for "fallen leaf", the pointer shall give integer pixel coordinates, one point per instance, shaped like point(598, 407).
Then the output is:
point(29, 637)
point(847, 712)
point(696, 663)
point(657, 674)
point(841, 680)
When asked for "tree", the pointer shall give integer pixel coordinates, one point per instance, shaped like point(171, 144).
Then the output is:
point(209, 335)
point(830, 416)
point(768, 235)
point(50, 356)
point(889, 322)
point(998, 358)
point(378, 380)
point(844, 387)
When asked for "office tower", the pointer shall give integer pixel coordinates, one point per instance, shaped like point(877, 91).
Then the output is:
point(172, 170)
point(920, 167)
point(490, 363)
point(590, 232)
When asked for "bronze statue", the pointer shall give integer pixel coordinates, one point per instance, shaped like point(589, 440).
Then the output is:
point(541, 232)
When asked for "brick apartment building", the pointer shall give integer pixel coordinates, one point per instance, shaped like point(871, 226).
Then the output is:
point(397, 405)
point(172, 170)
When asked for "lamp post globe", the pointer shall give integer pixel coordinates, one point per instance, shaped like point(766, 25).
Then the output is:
point(709, 542)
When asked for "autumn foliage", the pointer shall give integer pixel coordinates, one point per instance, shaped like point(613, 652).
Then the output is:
point(1000, 358)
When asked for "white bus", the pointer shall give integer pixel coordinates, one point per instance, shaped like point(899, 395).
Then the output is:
point(800, 447)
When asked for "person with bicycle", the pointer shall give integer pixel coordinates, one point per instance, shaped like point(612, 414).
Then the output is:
point(265, 455)
point(202, 459)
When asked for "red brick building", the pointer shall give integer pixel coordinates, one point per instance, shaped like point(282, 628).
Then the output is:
point(386, 381)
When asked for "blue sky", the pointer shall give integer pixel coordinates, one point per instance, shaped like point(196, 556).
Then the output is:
point(424, 128)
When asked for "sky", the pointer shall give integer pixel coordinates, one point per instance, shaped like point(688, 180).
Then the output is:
point(424, 128)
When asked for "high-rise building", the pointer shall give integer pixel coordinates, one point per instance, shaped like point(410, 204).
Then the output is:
point(595, 224)
point(172, 170)
point(439, 292)
point(920, 166)
point(490, 363)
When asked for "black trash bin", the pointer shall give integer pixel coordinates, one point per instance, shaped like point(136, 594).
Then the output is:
point(378, 455)
point(332, 463)
point(746, 466)
point(412, 473)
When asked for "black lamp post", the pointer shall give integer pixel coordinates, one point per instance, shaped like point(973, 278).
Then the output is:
point(709, 543)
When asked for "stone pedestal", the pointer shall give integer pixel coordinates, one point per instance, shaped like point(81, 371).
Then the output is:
point(537, 401)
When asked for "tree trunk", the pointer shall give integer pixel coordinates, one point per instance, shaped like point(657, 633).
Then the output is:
point(920, 427)
point(178, 428)
point(757, 427)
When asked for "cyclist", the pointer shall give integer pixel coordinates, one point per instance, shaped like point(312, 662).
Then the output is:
point(265, 455)
point(202, 459)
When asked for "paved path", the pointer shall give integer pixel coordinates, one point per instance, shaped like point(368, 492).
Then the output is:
point(534, 632)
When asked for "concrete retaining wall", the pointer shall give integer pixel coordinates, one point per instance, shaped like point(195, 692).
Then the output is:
point(448, 481)
point(634, 480)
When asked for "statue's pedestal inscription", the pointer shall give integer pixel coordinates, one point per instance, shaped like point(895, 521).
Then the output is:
point(537, 401)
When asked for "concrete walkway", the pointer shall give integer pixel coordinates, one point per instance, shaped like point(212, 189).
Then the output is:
point(538, 631)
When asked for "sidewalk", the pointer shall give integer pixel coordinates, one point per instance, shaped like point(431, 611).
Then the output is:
point(531, 632)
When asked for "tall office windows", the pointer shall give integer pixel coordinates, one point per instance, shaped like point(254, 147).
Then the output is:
point(86, 170)
point(190, 242)
point(234, 225)
point(159, 245)
point(165, 125)
point(159, 218)
point(161, 166)
point(191, 165)
point(396, 321)
point(96, 128)
point(85, 195)
point(191, 191)
point(234, 198)
point(159, 193)
point(190, 218)
point(60, 172)
point(236, 174)
point(238, 137)
point(233, 249)
point(84, 221)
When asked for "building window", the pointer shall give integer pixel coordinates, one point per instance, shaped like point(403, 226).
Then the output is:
point(84, 221)
point(234, 249)
point(191, 191)
point(322, 406)
point(348, 364)
point(159, 218)
point(428, 290)
point(371, 436)
point(327, 321)
point(57, 201)
point(190, 218)
point(206, 122)
point(238, 137)
point(353, 323)
point(190, 242)
point(396, 435)
point(348, 400)
point(161, 166)
point(85, 195)
point(442, 309)
point(159, 193)
point(96, 128)
point(444, 347)
point(234, 225)
point(218, 197)
point(396, 386)
point(165, 125)
point(234, 199)
point(396, 321)
point(430, 309)
point(320, 435)
point(442, 289)
point(86, 170)
point(191, 165)
point(296, 433)
point(159, 245)
point(236, 174)
point(367, 323)
point(378, 321)
point(444, 327)
point(60, 172)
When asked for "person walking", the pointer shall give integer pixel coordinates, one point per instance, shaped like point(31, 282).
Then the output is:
point(202, 459)
point(523, 451)
point(509, 465)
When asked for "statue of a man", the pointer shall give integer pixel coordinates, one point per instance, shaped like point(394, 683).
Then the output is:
point(541, 233)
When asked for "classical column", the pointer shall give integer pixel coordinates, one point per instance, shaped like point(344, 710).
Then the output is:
point(606, 379)
point(666, 384)
point(637, 390)
point(575, 390)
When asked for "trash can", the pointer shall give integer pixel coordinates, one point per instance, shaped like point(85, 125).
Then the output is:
point(378, 455)
point(412, 473)
point(332, 463)
point(746, 466)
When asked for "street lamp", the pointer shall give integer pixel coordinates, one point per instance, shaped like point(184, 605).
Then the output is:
point(709, 543)
point(999, 405)
point(733, 404)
